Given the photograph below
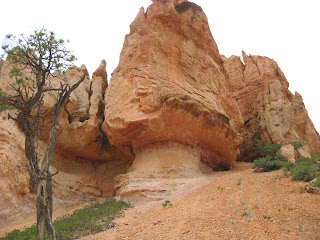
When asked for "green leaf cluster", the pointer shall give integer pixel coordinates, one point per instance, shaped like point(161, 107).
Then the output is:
point(268, 163)
point(3, 105)
point(297, 144)
point(38, 54)
point(166, 203)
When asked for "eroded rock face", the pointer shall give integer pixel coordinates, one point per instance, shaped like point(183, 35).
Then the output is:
point(270, 111)
point(80, 134)
point(170, 85)
point(78, 179)
point(15, 197)
point(86, 162)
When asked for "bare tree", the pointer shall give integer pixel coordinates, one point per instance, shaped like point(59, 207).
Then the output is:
point(34, 58)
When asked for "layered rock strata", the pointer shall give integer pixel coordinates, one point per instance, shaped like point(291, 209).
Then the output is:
point(170, 85)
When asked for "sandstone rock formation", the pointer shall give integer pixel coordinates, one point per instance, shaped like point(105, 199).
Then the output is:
point(15, 197)
point(270, 111)
point(169, 99)
point(86, 162)
point(175, 109)
point(170, 86)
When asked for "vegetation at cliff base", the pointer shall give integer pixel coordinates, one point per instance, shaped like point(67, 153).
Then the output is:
point(91, 219)
point(270, 160)
point(303, 168)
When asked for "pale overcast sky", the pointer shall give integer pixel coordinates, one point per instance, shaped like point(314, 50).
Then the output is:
point(285, 30)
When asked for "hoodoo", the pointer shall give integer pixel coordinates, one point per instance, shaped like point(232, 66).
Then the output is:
point(169, 99)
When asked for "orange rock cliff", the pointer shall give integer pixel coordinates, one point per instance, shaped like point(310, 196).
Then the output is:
point(174, 108)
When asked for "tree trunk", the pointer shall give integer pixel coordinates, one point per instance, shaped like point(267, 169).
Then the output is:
point(32, 158)
point(44, 193)
point(45, 208)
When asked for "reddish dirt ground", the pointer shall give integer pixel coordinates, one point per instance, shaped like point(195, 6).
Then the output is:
point(238, 204)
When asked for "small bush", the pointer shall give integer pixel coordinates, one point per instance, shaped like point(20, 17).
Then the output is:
point(305, 169)
point(166, 204)
point(297, 144)
point(270, 160)
point(316, 183)
point(267, 164)
point(287, 167)
point(267, 149)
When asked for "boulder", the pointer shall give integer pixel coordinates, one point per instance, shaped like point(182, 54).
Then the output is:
point(288, 152)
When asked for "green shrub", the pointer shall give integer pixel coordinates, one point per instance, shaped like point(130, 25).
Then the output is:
point(316, 183)
point(297, 144)
point(306, 161)
point(267, 149)
point(88, 220)
point(267, 164)
point(305, 169)
point(315, 158)
point(270, 160)
point(287, 167)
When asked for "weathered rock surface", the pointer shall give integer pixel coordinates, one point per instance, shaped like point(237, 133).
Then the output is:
point(86, 162)
point(271, 112)
point(80, 133)
point(1, 63)
point(170, 85)
point(288, 152)
point(15, 197)
point(169, 99)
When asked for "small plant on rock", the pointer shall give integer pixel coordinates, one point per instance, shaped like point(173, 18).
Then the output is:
point(166, 204)
point(297, 144)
